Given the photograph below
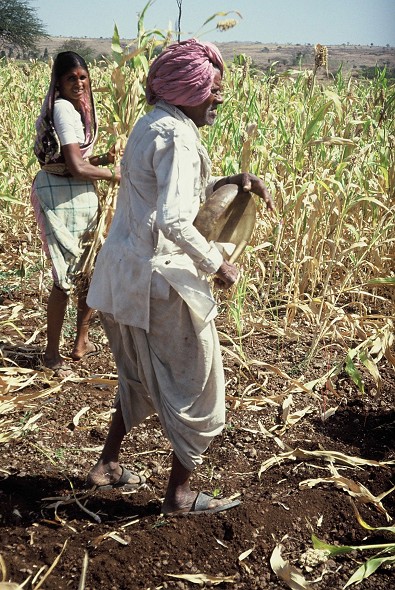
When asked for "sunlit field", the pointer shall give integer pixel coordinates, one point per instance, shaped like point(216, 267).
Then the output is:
point(317, 279)
point(325, 151)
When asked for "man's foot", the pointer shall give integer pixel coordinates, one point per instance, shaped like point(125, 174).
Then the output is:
point(89, 349)
point(104, 477)
point(201, 503)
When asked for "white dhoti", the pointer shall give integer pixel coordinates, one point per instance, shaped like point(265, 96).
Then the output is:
point(174, 370)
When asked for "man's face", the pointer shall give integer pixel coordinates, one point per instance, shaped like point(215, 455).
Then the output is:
point(205, 113)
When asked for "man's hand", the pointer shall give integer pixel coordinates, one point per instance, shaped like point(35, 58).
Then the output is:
point(249, 183)
point(226, 275)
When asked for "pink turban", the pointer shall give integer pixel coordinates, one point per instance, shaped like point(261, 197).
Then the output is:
point(183, 73)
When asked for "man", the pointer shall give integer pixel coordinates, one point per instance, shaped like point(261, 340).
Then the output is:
point(150, 281)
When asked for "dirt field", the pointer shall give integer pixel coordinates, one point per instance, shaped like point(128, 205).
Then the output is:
point(124, 540)
point(55, 534)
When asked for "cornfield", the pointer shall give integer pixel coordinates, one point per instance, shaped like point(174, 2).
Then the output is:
point(323, 265)
point(326, 152)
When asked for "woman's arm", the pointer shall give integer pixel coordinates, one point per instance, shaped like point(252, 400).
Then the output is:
point(81, 168)
point(104, 159)
point(68, 126)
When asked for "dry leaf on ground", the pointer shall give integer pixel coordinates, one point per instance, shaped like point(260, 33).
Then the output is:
point(286, 572)
point(202, 579)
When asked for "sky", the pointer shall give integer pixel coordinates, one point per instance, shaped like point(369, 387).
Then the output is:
point(329, 22)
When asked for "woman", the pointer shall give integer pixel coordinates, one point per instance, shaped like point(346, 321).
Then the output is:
point(150, 280)
point(64, 197)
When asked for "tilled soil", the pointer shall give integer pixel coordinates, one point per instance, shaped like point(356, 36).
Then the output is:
point(117, 541)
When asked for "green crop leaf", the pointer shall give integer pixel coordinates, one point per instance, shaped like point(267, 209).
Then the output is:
point(316, 120)
point(371, 366)
point(340, 549)
point(353, 372)
point(368, 568)
point(332, 549)
point(382, 281)
point(116, 42)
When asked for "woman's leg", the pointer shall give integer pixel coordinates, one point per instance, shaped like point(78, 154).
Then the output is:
point(82, 344)
point(56, 309)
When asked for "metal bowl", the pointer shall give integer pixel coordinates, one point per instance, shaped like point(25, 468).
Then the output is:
point(228, 217)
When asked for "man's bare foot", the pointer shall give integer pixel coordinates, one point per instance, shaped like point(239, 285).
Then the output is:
point(87, 349)
point(104, 473)
point(179, 502)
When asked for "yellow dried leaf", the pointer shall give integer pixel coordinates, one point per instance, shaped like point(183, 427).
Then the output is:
point(117, 538)
point(245, 554)
point(3, 568)
point(353, 488)
point(367, 526)
point(289, 574)
point(51, 567)
point(332, 456)
point(202, 579)
point(76, 419)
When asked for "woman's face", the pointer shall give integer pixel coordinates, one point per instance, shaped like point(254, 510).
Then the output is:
point(73, 85)
point(205, 113)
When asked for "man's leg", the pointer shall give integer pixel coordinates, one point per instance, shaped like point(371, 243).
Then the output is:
point(108, 470)
point(179, 496)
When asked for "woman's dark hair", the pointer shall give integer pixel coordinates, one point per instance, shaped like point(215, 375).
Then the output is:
point(66, 61)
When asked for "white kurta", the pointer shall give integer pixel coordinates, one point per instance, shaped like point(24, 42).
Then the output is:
point(150, 283)
point(67, 122)
point(152, 242)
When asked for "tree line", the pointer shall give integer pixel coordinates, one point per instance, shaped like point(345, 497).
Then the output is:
point(21, 30)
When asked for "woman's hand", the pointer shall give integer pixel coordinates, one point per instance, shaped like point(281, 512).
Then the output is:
point(115, 154)
point(111, 155)
point(226, 275)
point(117, 174)
point(107, 158)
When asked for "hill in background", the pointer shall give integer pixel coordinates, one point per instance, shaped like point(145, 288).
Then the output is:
point(356, 58)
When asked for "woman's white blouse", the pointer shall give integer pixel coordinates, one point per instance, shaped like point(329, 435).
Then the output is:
point(67, 123)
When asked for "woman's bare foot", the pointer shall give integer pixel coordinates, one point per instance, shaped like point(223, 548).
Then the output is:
point(58, 365)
